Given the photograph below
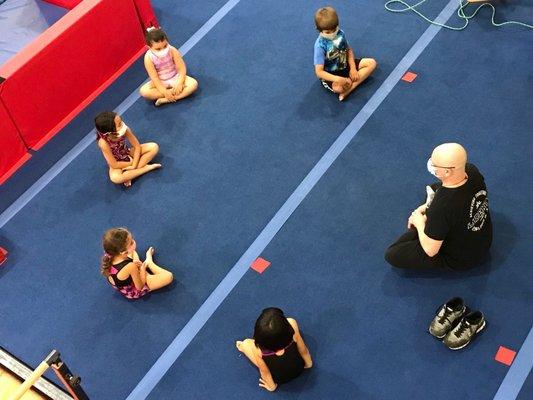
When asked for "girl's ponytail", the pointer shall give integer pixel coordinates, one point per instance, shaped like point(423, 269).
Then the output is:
point(114, 241)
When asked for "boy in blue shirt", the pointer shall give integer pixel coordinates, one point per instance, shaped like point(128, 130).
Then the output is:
point(334, 61)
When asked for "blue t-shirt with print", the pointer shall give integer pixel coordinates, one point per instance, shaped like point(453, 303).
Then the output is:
point(332, 54)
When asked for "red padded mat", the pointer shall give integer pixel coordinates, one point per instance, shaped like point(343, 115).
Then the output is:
point(58, 74)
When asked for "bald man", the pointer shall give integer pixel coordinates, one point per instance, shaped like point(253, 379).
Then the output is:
point(453, 228)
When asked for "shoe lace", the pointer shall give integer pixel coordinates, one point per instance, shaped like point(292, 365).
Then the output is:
point(445, 317)
point(461, 328)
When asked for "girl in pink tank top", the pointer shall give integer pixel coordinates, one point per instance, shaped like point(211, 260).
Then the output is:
point(167, 71)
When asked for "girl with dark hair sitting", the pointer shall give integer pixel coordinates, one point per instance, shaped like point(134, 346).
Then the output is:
point(277, 349)
point(125, 163)
point(166, 69)
point(125, 271)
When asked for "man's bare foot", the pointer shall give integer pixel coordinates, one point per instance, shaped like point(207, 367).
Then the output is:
point(127, 184)
point(161, 101)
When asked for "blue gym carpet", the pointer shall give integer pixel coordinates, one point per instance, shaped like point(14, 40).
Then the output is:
point(232, 154)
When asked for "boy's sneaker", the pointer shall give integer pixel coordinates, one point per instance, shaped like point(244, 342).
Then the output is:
point(447, 315)
point(465, 331)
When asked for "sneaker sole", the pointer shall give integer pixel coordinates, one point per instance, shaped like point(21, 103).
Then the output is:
point(435, 336)
point(472, 338)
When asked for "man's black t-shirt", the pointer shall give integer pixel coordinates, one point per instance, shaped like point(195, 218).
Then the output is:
point(460, 217)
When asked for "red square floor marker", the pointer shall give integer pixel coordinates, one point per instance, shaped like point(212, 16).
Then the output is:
point(260, 265)
point(505, 355)
point(3, 255)
point(409, 77)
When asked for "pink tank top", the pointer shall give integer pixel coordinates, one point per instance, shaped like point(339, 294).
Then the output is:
point(165, 67)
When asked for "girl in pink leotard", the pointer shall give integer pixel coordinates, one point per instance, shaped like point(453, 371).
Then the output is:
point(167, 71)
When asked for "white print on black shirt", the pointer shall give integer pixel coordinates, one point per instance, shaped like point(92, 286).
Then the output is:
point(479, 208)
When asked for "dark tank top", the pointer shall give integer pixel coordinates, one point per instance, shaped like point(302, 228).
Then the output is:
point(115, 269)
point(120, 150)
point(285, 367)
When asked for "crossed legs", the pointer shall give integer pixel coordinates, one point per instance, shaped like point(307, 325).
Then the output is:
point(365, 69)
point(156, 277)
point(150, 92)
point(121, 176)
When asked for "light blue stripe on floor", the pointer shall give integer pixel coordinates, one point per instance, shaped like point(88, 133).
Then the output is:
point(517, 374)
point(59, 166)
point(187, 334)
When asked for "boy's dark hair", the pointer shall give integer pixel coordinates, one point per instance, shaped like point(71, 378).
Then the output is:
point(326, 19)
point(105, 122)
point(272, 330)
point(155, 35)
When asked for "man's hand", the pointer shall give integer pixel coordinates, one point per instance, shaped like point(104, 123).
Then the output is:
point(410, 222)
point(270, 388)
point(418, 220)
point(422, 209)
point(354, 75)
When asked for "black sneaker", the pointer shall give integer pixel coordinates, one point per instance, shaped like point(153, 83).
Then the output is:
point(447, 315)
point(465, 331)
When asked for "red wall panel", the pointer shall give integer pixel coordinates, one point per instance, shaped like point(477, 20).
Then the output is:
point(146, 13)
point(12, 150)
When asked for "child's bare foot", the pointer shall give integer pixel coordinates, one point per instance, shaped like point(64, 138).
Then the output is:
point(150, 253)
point(345, 94)
point(238, 344)
point(161, 101)
point(153, 166)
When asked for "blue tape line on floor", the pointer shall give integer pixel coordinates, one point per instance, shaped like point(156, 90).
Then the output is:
point(518, 372)
point(187, 334)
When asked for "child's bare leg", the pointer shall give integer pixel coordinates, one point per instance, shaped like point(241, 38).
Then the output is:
point(159, 277)
point(189, 87)
point(246, 347)
point(340, 87)
point(148, 152)
point(119, 177)
point(150, 92)
point(366, 67)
